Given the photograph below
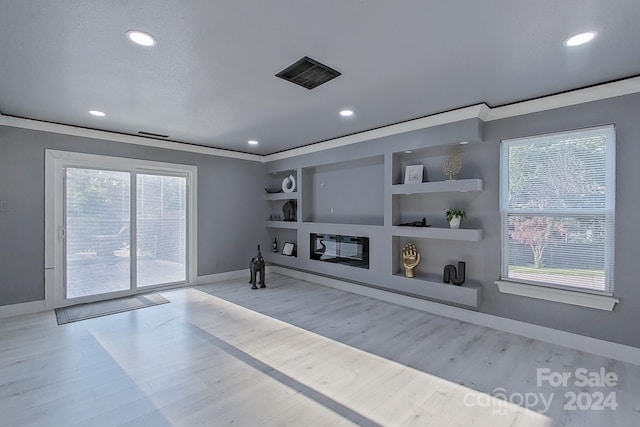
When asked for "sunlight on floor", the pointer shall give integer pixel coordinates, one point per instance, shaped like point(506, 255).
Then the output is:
point(272, 368)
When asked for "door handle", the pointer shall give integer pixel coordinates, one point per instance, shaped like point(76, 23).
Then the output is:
point(61, 232)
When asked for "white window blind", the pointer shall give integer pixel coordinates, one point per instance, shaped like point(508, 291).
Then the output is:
point(557, 204)
point(161, 229)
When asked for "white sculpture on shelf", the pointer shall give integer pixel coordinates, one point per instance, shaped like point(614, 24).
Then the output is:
point(289, 184)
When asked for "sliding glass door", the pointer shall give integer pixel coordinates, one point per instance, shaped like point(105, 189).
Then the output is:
point(98, 229)
point(117, 226)
point(161, 229)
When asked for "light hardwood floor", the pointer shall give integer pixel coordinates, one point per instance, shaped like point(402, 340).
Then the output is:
point(293, 354)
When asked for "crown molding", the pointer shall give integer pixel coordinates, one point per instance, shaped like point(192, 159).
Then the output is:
point(566, 99)
point(479, 111)
point(119, 137)
point(457, 115)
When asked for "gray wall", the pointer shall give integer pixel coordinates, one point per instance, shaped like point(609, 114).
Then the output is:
point(619, 325)
point(483, 258)
point(347, 192)
point(230, 206)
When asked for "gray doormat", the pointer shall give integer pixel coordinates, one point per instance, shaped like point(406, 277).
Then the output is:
point(104, 308)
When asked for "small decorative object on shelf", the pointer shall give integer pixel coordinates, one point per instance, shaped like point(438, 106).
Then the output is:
point(289, 210)
point(413, 174)
point(289, 184)
point(275, 244)
point(454, 216)
point(256, 266)
point(451, 275)
point(289, 249)
point(453, 165)
point(410, 259)
point(272, 190)
point(422, 223)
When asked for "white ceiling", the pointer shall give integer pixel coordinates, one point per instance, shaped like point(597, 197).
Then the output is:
point(210, 78)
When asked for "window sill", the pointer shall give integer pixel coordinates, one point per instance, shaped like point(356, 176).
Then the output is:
point(599, 302)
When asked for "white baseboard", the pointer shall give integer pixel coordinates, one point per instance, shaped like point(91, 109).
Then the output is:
point(596, 346)
point(22, 308)
point(227, 275)
point(39, 306)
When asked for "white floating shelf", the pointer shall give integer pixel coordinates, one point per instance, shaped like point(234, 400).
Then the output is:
point(338, 228)
point(281, 224)
point(467, 294)
point(281, 196)
point(455, 185)
point(463, 234)
point(278, 258)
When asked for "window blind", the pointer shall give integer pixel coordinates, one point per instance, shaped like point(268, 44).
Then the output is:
point(161, 229)
point(557, 206)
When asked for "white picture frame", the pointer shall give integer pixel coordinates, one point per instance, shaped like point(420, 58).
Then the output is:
point(288, 248)
point(413, 174)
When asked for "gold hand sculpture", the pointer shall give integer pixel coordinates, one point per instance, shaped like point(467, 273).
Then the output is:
point(410, 259)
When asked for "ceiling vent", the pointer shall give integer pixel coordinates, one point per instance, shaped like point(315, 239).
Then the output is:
point(308, 73)
point(152, 135)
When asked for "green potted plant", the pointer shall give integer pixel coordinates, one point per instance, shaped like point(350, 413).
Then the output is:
point(454, 216)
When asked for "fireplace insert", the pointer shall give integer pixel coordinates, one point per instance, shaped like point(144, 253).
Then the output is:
point(347, 250)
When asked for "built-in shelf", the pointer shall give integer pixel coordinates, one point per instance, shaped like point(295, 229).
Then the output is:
point(281, 224)
point(427, 286)
point(278, 258)
point(331, 228)
point(463, 234)
point(280, 196)
point(365, 197)
point(459, 185)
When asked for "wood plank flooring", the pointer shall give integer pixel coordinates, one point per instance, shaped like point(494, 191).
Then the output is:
point(293, 354)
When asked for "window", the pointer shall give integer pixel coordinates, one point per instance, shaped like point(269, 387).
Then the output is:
point(557, 203)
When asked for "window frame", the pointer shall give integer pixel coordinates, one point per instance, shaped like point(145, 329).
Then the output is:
point(563, 292)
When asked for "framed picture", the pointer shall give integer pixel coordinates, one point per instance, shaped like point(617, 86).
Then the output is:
point(288, 249)
point(413, 174)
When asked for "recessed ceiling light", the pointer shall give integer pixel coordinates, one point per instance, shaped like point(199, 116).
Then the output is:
point(252, 142)
point(464, 142)
point(97, 113)
point(408, 151)
point(579, 39)
point(143, 39)
point(346, 113)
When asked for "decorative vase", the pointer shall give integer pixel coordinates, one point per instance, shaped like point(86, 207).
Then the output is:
point(289, 184)
point(453, 165)
point(455, 222)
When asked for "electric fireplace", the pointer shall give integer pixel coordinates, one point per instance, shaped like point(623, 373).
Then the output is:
point(347, 250)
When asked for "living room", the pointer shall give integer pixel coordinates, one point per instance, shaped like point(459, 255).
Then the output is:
point(350, 184)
